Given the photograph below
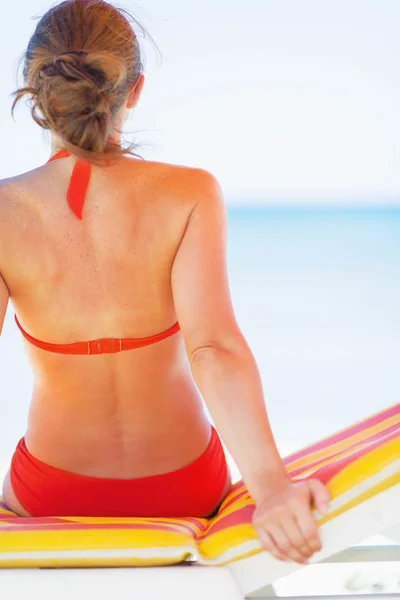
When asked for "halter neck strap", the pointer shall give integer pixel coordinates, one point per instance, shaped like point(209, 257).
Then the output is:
point(78, 184)
point(79, 181)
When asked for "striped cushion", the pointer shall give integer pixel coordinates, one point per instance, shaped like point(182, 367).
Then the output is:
point(355, 464)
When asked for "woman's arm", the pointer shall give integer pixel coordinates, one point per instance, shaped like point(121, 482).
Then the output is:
point(4, 297)
point(227, 376)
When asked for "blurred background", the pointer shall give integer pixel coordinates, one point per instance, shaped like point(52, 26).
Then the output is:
point(294, 107)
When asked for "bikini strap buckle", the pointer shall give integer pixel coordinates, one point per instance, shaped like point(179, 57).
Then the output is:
point(105, 346)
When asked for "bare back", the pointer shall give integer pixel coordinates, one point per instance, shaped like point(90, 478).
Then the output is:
point(123, 415)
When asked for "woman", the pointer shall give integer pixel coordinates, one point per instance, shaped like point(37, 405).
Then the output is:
point(128, 256)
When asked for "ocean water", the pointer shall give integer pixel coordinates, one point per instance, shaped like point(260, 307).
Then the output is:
point(317, 294)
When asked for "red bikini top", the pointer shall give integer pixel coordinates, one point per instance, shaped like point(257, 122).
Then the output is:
point(76, 198)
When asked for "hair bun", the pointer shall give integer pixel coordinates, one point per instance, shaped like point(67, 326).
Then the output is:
point(69, 65)
point(78, 93)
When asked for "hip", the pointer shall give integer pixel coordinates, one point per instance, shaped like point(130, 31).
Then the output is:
point(194, 490)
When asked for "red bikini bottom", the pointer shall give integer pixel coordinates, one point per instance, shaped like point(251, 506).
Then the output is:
point(192, 491)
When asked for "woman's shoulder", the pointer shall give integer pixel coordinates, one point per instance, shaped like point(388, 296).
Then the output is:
point(187, 181)
point(185, 177)
point(177, 169)
point(11, 187)
point(6, 190)
point(13, 192)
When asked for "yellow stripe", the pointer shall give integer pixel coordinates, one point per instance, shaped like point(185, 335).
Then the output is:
point(364, 467)
point(214, 545)
point(33, 541)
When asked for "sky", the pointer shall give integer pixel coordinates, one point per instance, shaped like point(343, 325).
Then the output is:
point(279, 99)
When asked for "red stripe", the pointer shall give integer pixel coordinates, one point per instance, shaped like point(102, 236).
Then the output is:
point(93, 527)
point(27, 521)
point(194, 525)
point(237, 496)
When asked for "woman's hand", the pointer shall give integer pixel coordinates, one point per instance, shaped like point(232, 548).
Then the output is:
point(284, 521)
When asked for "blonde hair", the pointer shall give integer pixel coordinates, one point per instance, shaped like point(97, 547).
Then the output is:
point(80, 64)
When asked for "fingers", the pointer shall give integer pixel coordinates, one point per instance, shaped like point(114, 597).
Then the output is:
point(308, 527)
point(290, 542)
point(319, 495)
point(286, 524)
point(281, 535)
point(269, 545)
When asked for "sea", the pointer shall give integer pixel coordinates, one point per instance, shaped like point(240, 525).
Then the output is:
point(316, 291)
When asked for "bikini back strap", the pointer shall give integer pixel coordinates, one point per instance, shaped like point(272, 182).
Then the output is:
point(100, 346)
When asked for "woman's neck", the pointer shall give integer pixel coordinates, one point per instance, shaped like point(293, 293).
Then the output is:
point(57, 145)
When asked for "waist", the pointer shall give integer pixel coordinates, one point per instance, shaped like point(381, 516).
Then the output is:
point(137, 439)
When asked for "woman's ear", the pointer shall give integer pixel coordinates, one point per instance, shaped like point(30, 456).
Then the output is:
point(134, 92)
